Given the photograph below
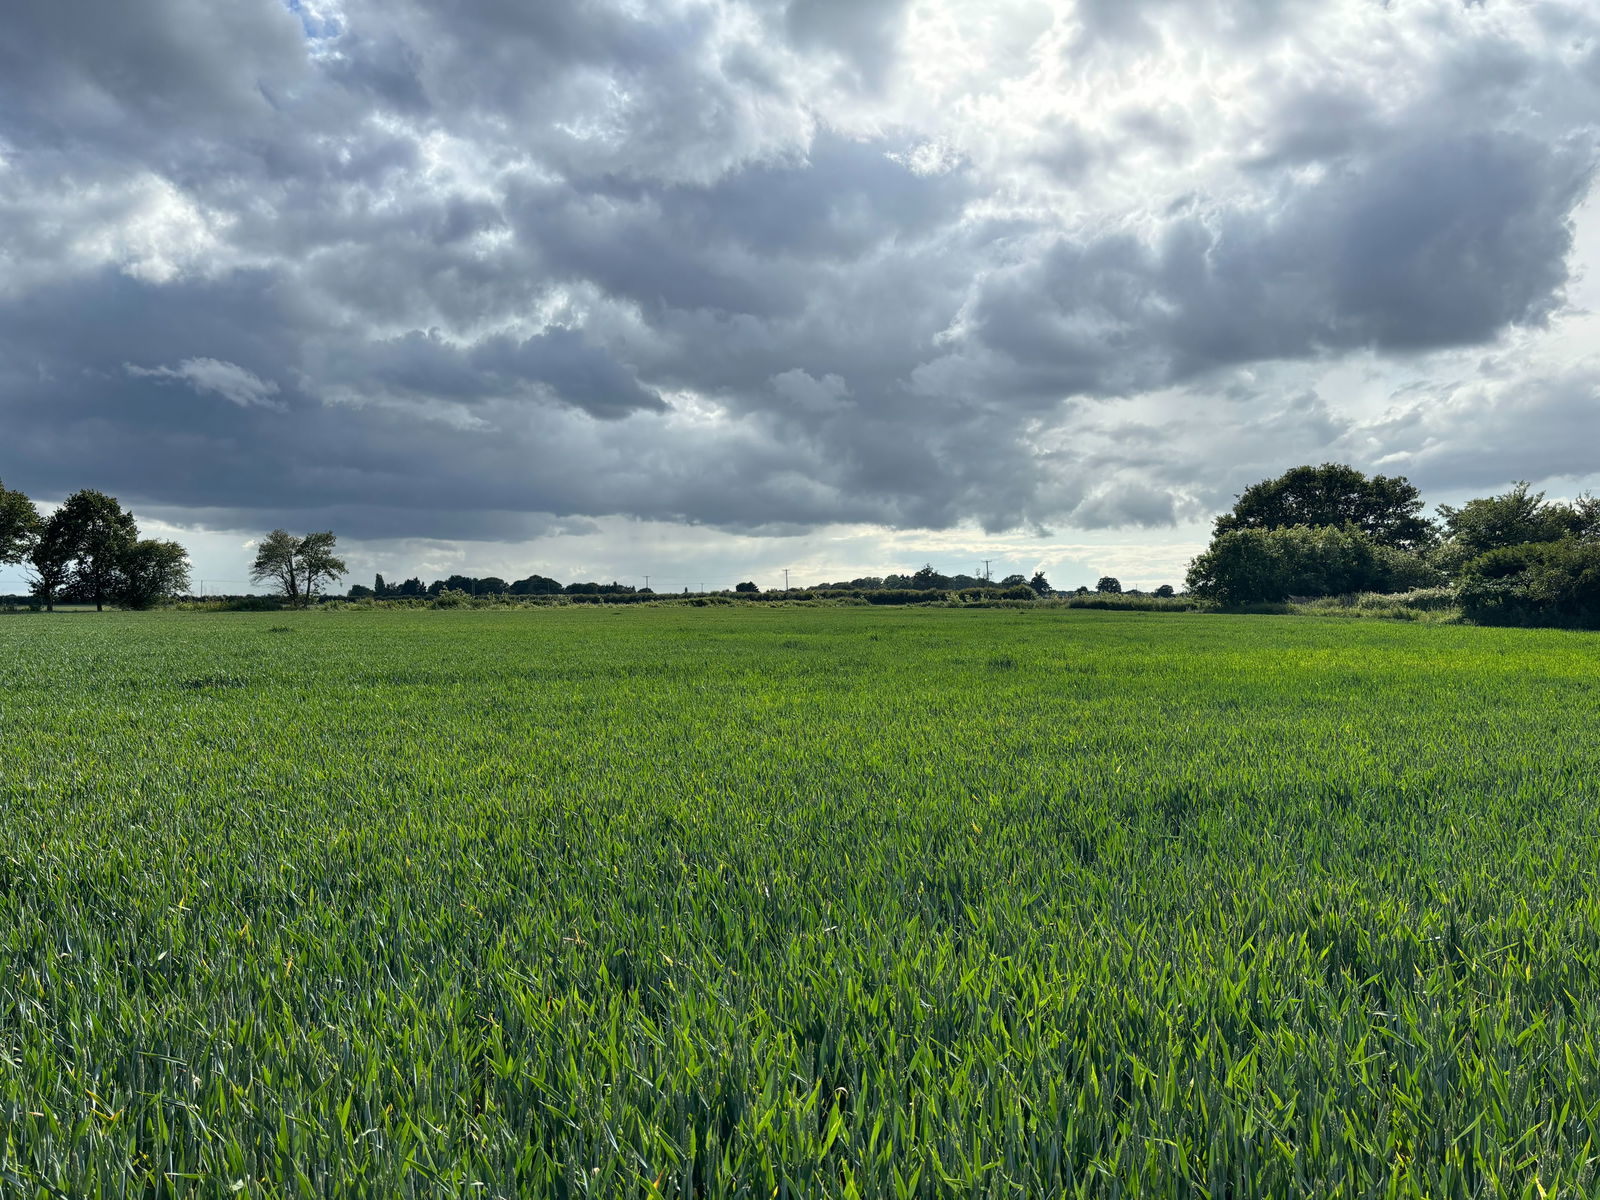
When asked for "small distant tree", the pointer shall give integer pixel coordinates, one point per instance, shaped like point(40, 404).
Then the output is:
point(1014, 581)
point(746, 586)
point(1109, 584)
point(380, 589)
point(149, 572)
point(1039, 584)
point(360, 591)
point(277, 563)
point(1164, 591)
point(19, 525)
point(927, 578)
point(299, 567)
point(536, 585)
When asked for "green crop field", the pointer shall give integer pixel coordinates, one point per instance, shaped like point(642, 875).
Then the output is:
point(797, 902)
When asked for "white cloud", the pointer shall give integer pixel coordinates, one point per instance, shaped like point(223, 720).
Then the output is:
point(228, 380)
point(748, 267)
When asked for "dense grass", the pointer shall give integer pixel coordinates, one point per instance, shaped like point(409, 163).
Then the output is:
point(801, 902)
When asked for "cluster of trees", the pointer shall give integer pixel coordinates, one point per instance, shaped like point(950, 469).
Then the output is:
point(89, 551)
point(1330, 530)
point(488, 585)
point(926, 579)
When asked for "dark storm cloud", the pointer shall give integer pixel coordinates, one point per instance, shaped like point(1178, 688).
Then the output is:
point(457, 271)
point(1432, 242)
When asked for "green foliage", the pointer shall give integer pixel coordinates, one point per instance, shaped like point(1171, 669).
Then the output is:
point(807, 902)
point(149, 572)
point(1250, 566)
point(1421, 604)
point(1109, 585)
point(1542, 583)
point(50, 560)
point(1388, 509)
point(19, 525)
point(1515, 518)
point(1131, 602)
point(299, 567)
point(84, 544)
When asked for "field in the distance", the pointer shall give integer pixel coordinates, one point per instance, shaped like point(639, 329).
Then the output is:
point(800, 902)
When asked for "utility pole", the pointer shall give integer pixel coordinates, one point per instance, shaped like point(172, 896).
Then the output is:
point(986, 573)
point(647, 583)
point(786, 579)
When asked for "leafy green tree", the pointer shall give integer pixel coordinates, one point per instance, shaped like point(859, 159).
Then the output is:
point(536, 585)
point(1519, 517)
point(318, 563)
point(50, 559)
point(19, 525)
point(926, 578)
point(96, 533)
point(1039, 584)
point(1014, 581)
point(746, 586)
point(1388, 509)
point(1586, 511)
point(149, 572)
point(277, 563)
point(360, 591)
point(298, 566)
point(1165, 591)
point(1109, 584)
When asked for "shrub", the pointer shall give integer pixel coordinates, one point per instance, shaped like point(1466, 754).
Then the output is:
point(1541, 583)
point(1252, 566)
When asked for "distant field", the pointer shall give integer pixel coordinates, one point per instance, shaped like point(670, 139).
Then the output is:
point(805, 902)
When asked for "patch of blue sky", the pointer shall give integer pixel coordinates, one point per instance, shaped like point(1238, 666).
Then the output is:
point(318, 23)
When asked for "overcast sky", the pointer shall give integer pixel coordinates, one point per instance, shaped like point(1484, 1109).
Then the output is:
point(707, 288)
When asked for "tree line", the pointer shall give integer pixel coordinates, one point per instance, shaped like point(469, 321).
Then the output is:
point(1314, 531)
point(89, 551)
point(1513, 558)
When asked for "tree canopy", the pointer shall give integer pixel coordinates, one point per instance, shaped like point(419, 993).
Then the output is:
point(297, 566)
point(149, 572)
point(1516, 518)
point(94, 533)
point(19, 525)
point(1388, 509)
